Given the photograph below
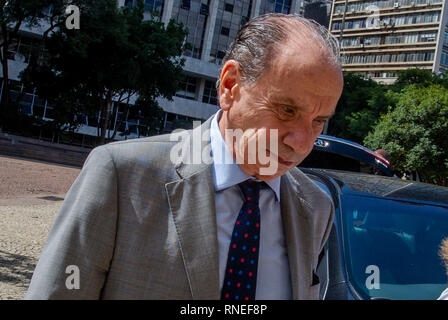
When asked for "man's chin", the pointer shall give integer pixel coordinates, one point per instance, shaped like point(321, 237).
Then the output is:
point(265, 175)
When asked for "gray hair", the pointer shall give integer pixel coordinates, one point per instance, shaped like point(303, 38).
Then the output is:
point(257, 42)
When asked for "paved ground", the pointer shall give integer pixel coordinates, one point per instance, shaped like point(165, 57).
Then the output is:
point(31, 194)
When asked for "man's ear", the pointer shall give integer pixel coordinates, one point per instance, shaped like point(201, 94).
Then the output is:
point(229, 84)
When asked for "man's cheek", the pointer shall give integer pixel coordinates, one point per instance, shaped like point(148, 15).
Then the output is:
point(268, 158)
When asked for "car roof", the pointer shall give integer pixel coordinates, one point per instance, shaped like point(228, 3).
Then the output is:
point(354, 145)
point(380, 186)
point(352, 150)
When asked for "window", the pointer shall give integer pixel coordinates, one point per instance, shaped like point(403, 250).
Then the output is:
point(279, 6)
point(221, 54)
point(444, 59)
point(154, 6)
point(231, 15)
point(187, 88)
point(204, 9)
point(185, 4)
point(193, 14)
point(225, 31)
point(210, 94)
point(228, 7)
point(401, 239)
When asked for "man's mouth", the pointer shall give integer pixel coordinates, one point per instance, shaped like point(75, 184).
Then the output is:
point(280, 160)
point(285, 162)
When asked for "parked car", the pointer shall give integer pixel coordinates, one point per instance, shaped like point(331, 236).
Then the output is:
point(339, 154)
point(387, 225)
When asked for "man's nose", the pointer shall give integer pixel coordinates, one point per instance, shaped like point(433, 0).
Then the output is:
point(300, 139)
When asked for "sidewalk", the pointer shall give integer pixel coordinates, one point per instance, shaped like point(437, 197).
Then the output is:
point(31, 194)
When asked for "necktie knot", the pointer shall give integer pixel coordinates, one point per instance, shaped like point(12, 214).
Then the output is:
point(251, 190)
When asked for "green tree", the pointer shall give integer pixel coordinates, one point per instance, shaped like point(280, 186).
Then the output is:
point(16, 14)
point(360, 123)
point(361, 103)
point(414, 132)
point(114, 55)
point(417, 76)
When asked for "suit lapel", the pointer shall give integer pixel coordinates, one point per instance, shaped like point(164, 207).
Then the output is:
point(297, 229)
point(192, 203)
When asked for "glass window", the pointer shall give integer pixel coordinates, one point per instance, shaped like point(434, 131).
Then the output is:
point(231, 15)
point(279, 6)
point(225, 31)
point(401, 239)
point(204, 9)
point(228, 7)
point(193, 14)
point(155, 7)
point(185, 4)
point(444, 59)
point(187, 88)
point(210, 94)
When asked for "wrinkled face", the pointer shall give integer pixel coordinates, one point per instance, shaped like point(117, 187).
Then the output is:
point(288, 105)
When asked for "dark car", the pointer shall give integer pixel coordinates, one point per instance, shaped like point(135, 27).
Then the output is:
point(385, 239)
point(340, 154)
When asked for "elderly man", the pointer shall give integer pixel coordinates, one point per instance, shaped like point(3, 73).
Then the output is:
point(139, 223)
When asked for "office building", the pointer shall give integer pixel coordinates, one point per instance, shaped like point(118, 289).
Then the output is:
point(211, 24)
point(318, 10)
point(381, 37)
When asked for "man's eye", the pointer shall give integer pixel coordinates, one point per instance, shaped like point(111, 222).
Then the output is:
point(288, 110)
point(320, 121)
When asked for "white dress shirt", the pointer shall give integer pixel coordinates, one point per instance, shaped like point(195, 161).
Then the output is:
point(273, 278)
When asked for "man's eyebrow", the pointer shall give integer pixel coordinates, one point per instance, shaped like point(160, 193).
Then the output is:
point(286, 101)
point(328, 116)
point(290, 102)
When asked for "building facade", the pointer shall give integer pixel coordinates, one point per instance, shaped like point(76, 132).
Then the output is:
point(381, 37)
point(211, 24)
point(318, 10)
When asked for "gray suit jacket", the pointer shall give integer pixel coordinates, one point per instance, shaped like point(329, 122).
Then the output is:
point(138, 226)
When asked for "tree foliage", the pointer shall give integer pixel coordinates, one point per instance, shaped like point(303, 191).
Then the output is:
point(363, 101)
point(414, 132)
point(415, 76)
point(115, 54)
point(19, 14)
point(358, 109)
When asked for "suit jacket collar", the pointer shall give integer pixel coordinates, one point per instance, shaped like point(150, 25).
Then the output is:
point(192, 203)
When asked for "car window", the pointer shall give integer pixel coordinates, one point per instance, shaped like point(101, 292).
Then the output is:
point(391, 247)
point(329, 160)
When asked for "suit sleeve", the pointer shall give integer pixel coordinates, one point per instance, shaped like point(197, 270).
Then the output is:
point(79, 247)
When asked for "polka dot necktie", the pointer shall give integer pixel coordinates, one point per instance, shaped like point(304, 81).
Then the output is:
point(240, 278)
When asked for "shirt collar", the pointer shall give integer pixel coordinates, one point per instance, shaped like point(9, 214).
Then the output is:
point(226, 172)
